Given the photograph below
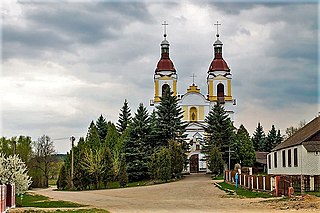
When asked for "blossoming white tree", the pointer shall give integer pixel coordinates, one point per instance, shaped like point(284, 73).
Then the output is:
point(14, 170)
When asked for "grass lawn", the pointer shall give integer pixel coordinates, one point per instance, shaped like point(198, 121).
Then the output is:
point(218, 177)
point(52, 182)
point(314, 193)
point(32, 200)
point(73, 211)
point(244, 192)
point(115, 185)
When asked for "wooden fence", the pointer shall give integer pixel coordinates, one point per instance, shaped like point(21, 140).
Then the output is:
point(7, 197)
point(255, 182)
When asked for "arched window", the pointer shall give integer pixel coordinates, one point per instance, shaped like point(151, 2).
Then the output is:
point(220, 90)
point(164, 88)
point(193, 114)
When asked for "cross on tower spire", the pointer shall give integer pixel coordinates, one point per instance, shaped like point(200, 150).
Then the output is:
point(217, 24)
point(193, 76)
point(165, 24)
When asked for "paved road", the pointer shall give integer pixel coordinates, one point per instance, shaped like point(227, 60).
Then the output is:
point(195, 193)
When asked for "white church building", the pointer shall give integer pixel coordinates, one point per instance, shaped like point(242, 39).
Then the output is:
point(196, 105)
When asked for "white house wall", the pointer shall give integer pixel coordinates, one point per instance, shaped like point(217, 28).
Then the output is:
point(308, 162)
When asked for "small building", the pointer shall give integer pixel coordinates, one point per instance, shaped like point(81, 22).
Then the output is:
point(261, 162)
point(299, 155)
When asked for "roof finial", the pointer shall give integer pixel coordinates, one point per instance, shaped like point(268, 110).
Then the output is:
point(193, 76)
point(217, 24)
point(165, 29)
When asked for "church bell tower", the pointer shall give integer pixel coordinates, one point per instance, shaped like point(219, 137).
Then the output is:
point(219, 78)
point(165, 75)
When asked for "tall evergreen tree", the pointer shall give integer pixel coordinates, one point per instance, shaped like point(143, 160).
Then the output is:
point(259, 138)
point(271, 139)
point(170, 124)
point(92, 138)
point(215, 160)
point(138, 148)
point(279, 138)
point(112, 136)
point(246, 151)
point(219, 129)
point(102, 127)
point(124, 117)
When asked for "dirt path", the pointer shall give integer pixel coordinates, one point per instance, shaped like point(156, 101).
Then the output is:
point(196, 193)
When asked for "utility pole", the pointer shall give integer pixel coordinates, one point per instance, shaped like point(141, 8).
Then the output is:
point(229, 151)
point(72, 139)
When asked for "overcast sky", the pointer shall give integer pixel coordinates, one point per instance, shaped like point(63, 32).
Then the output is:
point(64, 64)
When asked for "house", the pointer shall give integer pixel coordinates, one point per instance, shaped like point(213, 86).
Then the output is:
point(298, 156)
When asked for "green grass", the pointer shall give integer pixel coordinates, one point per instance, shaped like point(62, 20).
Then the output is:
point(73, 211)
point(218, 177)
point(244, 192)
point(115, 185)
point(314, 193)
point(52, 182)
point(32, 200)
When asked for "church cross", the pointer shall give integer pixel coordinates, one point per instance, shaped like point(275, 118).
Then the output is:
point(193, 76)
point(165, 24)
point(217, 24)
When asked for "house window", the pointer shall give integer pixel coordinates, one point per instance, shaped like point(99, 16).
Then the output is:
point(316, 153)
point(269, 161)
point(289, 157)
point(295, 157)
point(275, 160)
point(283, 158)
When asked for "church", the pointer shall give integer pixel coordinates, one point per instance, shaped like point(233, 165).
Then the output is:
point(194, 103)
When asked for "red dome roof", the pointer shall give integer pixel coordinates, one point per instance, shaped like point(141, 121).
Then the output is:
point(218, 64)
point(165, 64)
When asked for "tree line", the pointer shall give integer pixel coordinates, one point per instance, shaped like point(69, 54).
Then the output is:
point(139, 147)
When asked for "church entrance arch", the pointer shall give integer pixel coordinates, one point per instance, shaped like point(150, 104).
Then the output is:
point(194, 163)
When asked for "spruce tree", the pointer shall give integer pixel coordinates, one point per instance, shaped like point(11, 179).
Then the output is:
point(124, 117)
point(138, 148)
point(259, 138)
point(102, 127)
point(170, 125)
point(123, 176)
point(112, 136)
point(62, 181)
point(219, 129)
point(92, 138)
point(272, 139)
point(215, 161)
point(247, 155)
point(279, 138)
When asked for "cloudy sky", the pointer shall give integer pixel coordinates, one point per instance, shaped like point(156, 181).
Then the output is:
point(64, 64)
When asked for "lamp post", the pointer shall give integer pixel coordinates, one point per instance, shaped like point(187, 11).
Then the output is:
point(72, 139)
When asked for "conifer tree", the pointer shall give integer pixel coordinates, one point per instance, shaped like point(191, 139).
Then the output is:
point(219, 129)
point(271, 139)
point(259, 138)
point(153, 135)
point(279, 138)
point(124, 117)
point(102, 127)
point(246, 152)
point(123, 176)
point(92, 138)
point(138, 148)
point(112, 136)
point(62, 181)
point(170, 124)
point(178, 158)
point(214, 160)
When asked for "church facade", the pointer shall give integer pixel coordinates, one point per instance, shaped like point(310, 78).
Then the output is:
point(196, 105)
